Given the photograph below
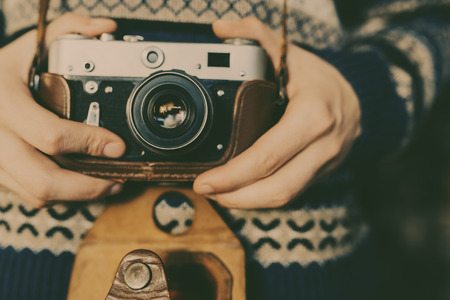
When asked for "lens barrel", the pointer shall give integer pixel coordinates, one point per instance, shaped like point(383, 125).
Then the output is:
point(169, 112)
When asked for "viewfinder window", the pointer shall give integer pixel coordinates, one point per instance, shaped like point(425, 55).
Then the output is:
point(219, 60)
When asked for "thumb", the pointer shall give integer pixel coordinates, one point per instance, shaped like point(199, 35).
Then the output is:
point(74, 23)
point(52, 135)
point(251, 28)
point(58, 136)
point(81, 138)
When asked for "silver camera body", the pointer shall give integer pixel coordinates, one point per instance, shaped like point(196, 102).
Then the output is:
point(234, 60)
point(164, 99)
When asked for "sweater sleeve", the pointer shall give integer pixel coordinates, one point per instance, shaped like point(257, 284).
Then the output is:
point(395, 60)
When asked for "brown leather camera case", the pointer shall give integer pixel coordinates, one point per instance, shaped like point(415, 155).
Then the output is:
point(253, 115)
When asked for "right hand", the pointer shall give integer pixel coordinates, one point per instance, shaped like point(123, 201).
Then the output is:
point(28, 132)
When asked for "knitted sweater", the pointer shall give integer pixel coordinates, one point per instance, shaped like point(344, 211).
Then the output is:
point(394, 53)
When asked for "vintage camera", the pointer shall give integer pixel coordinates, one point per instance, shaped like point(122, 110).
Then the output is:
point(164, 99)
point(169, 102)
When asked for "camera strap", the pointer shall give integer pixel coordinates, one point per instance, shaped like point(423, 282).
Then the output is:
point(282, 72)
point(34, 76)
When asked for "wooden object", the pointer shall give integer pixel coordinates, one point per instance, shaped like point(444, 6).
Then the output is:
point(148, 280)
point(124, 227)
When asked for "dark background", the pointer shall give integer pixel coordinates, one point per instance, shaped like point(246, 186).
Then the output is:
point(407, 200)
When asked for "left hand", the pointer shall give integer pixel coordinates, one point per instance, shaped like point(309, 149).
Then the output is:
point(316, 132)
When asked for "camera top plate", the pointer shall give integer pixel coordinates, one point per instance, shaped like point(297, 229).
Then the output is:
point(80, 56)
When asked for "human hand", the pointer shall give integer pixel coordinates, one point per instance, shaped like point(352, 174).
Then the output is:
point(316, 132)
point(28, 132)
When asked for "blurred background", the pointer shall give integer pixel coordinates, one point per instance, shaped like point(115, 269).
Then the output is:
point(407, 199)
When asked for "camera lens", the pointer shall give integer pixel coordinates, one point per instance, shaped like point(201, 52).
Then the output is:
point(169, 111)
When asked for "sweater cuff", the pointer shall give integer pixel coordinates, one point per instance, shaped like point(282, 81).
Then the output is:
point(384, 118)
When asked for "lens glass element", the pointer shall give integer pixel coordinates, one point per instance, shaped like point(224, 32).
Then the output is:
point(169, 111)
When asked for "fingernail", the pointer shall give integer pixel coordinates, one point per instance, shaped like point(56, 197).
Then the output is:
point(227, 22)
point(113, 150)
point(115, 189)
point(107, 25)
point(204, 189)
point(100, 21)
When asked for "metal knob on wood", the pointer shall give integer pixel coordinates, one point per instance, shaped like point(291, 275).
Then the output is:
point(140, 276)
point(137, 276)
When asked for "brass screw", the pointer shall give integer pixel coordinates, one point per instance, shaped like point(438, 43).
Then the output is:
point(137, 276)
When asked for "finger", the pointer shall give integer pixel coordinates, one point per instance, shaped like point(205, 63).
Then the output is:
point(58, 136)
point(302, 124)
point(11, 185)
point(43, 179)
point(50, 134)
point(66, 24)
point(251, 28)
point(288, 182)
point(74, 23)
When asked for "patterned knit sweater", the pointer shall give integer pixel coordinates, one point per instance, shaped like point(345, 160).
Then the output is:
point(395, 53)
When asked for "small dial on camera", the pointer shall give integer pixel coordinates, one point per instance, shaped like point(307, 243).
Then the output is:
point(152, 57)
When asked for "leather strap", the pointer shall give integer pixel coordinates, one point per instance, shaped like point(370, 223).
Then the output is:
point(33, 77)
point(282, 75)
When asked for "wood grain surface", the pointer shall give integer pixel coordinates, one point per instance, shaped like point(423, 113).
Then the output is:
point(124, 227)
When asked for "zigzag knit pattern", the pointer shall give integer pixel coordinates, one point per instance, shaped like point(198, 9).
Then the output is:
point(299, 236)
point(318, 20)
point(59, 228)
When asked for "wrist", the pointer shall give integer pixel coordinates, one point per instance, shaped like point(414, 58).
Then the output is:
point(383, 113)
